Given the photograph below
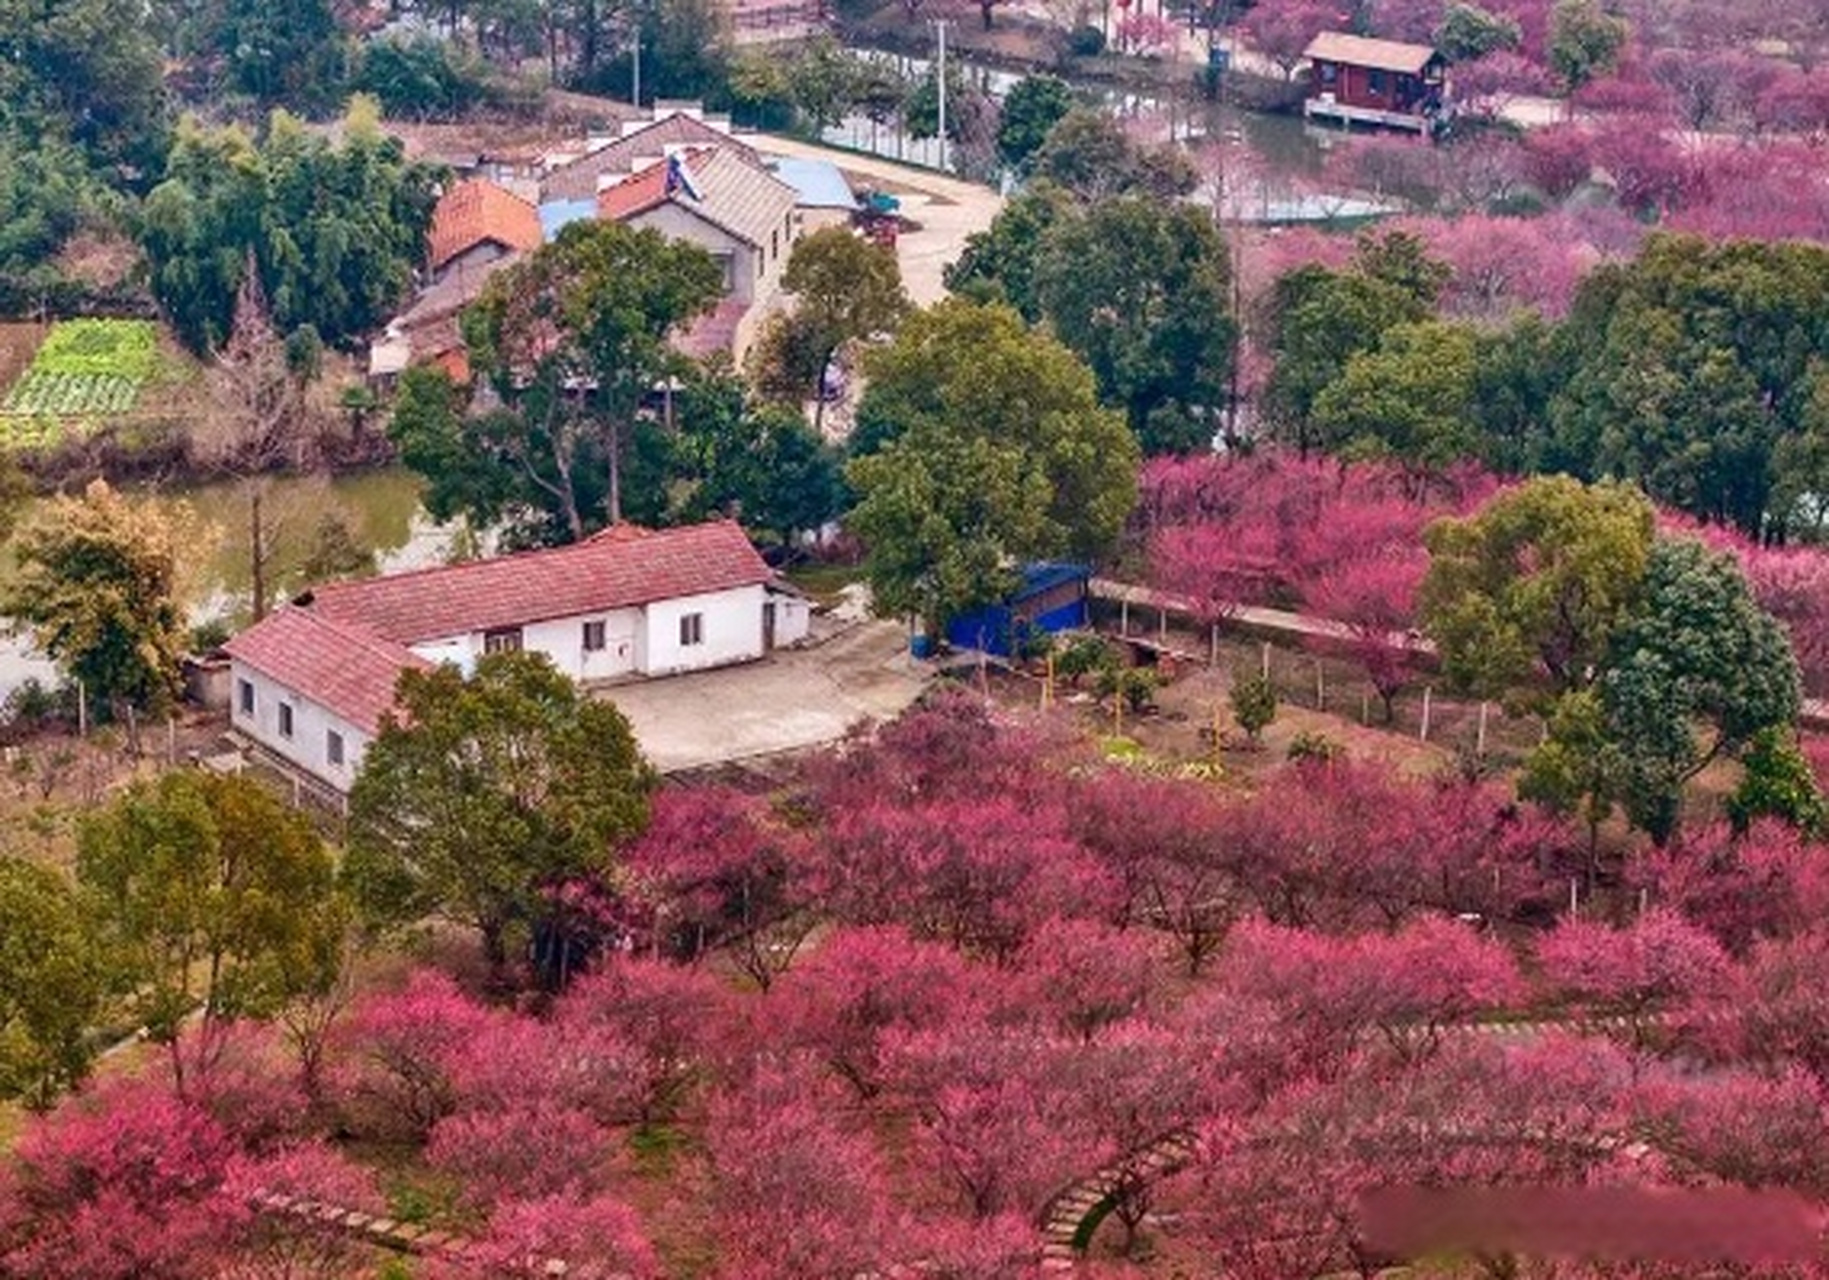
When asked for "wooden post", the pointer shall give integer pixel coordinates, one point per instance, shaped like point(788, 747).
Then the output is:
point(1574, 900)
point(1217, 736)
point(171, 741)
point(295, 791)
point(1365, 708)
point(1048, 683)
point(1162, 626)
point(1266, 661)
point(1320, 687)
point(1213, 647)
point(1124, 616)
point(1428, 690)
point(1479, 734)
point(82, 710)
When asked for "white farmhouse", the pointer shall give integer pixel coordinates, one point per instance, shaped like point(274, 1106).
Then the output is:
point(312, 682)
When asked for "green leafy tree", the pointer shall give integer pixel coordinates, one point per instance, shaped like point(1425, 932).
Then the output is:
point(487, 794)
point(1777, 783)
point(1578, 768)
point(218, 900)
point(55, 976)
point(760, 462)
point(1033, 106)
point(991, 449)
point(1692, 369)
point(334, 231)
point(87, 72)
point(1584, 41)
point(1140, 290)
point(846, 290)
point(1088, 153)
point(1534, 586)
point(998, 264)
point(1253, 700)
point(1468, 32)
point(1696, 673)
point(573, 338)
point(1411, 398)
point(99, 585)
point(416, 79)
point(1319, 319)
point(281, 52)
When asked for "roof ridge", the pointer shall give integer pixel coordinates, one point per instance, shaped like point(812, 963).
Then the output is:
point(355, 632)
point(356, 585)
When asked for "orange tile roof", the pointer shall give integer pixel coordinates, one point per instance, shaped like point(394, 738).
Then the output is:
point(343, 668)
point(534, 586)
point(476, 211)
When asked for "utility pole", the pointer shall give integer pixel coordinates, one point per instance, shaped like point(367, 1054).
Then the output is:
point(940, 25)
point(635, 79)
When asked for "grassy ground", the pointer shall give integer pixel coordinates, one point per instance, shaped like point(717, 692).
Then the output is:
point(823, 582)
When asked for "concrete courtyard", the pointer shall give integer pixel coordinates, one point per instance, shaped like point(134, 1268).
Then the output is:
point(790, 700)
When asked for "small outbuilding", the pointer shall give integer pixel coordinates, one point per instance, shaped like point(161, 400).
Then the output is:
point(1382, 82)
point(1050, 598)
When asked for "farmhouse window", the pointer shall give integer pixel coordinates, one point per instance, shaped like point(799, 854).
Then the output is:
point(507, 640)
point(1330, 72)
point(1374, 82)
point(333, 746)
point(285, 719)
point(692, 629)
point(594, 636)
point(244, 689)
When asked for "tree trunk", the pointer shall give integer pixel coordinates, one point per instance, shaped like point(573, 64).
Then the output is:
point(615, 495)
point(257, 552)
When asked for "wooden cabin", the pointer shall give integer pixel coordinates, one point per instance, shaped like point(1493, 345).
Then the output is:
point(1381, 82)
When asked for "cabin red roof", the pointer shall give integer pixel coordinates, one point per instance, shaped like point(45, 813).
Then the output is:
point(345, 669)
point(601, 573)
point(476, 211)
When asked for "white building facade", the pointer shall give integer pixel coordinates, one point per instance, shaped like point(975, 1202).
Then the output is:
point(313, 682)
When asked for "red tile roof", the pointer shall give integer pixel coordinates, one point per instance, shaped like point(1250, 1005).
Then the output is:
point(475, 212)
point(340, 667)
point(511, 591)
point(639, 192)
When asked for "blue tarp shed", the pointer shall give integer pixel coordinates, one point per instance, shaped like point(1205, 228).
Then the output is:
point(1052, 597)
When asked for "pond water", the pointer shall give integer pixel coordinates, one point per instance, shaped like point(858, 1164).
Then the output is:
point(381, 509)
point(1282, 145)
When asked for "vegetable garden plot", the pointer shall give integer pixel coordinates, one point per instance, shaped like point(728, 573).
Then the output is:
point(85, 369)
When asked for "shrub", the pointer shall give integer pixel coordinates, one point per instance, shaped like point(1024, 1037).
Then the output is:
point(1086, 42)
point(1253, 704)
point(1318, 747)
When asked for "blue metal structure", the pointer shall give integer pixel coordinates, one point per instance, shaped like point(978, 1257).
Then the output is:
point(1051, 597)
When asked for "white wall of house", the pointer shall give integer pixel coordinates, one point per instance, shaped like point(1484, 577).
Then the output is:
point(793, 617)
point(644, 641)
point(729, 630)
point(309, 744)
point(671, 220)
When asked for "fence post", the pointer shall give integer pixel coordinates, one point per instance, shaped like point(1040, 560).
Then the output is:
point(1479, 735)
point(1213, 647)
point(1320, 687)
point(1124, 616)
point(1365, 708)
point(1427, 691)
point(1162, 626)
point(1266, 671)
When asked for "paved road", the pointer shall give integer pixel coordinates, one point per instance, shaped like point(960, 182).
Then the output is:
point(790, 700)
